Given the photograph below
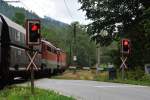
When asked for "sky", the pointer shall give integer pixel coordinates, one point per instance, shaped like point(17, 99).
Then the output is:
point(55, 9)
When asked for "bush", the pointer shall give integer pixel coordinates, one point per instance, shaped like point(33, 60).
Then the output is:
point(136, 74)
point(146, 77)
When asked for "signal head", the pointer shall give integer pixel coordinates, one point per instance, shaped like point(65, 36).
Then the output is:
point(33, 32)
point(125, 46)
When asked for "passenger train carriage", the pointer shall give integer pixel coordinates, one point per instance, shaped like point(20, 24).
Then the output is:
point(13, 57)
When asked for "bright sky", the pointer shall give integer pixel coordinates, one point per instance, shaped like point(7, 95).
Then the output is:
point(55, 9)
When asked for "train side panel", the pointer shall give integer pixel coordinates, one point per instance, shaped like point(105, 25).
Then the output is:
point(49, 57)
point(62, 59)
point(0, 38)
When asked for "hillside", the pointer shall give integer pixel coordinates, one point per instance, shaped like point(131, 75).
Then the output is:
point(47, 22)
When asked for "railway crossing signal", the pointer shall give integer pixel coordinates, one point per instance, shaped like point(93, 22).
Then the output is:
point(125, 50)
point(33, 29)
point(125, 46)
point(33, 37)
point(31, 66)
point(123, 65)
point(32, 61)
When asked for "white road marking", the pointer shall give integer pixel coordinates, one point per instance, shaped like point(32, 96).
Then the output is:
point(120, 86)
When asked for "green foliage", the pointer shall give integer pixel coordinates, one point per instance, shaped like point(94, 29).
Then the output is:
point(24, 93)
point(19, 18)
point(106, 13)
point(106, 53)
point(146, 77)
point(85, 49)
point(134, 18)
point(136, 74)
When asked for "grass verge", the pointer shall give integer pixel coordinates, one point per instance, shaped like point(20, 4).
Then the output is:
point(125, 81)
point(24, 93)
point(103, 76)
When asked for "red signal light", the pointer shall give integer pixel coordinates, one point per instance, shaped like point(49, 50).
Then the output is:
point(33, 35)
point(126, 42)
point(125, 46)
point(34, 27)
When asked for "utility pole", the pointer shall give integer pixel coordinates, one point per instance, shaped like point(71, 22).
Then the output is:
point(70, 54)
point(74, 48)
point(98, 59)
point(74, 31)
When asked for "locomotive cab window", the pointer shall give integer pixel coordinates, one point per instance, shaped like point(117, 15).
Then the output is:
point(55, 51)
point(49, 49)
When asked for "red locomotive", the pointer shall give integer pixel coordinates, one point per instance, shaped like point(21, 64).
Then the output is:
point(52, 57)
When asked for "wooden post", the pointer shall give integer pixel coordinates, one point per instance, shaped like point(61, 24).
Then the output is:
point(32, 73)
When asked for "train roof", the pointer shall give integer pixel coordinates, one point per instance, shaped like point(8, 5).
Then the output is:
point(49, 44)
point(13, 24)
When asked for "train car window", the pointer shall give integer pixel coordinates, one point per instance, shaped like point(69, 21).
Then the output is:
point(22, 37)
point(52, 50)
point(14, 34)
point(18, 36)
point(19, 52)
point(11, 31)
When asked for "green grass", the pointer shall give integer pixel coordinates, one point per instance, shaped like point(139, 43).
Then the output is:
point(125, 81)
point(24, 93)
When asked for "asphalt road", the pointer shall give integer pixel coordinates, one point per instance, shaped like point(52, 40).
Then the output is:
point(92, 90)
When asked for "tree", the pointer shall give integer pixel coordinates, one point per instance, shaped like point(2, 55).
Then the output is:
point(19, 18)
point(133, 17)
point(85, 49)
point(106, 13)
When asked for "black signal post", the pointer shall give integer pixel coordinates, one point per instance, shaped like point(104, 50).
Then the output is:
point(33, 37)
point(125, 51)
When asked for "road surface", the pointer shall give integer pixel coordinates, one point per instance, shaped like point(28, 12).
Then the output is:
point(92, 90)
